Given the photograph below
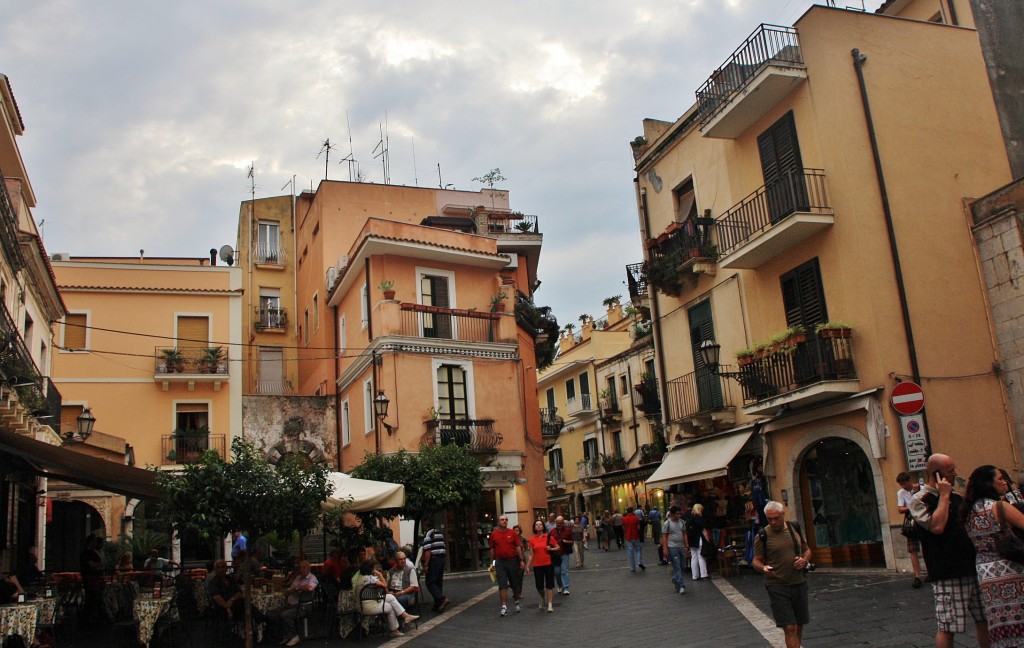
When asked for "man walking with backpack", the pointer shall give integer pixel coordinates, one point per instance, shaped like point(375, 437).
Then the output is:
point(782, 555)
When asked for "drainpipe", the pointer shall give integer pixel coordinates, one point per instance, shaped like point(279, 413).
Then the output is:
point(337, 392)
point(952, 13)
point(908, 329)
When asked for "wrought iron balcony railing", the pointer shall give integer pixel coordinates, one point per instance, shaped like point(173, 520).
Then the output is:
point(698, 392)
point(9, 230)
point(649, 402)
point(554, 477)
point(18, 370)
point(271, 318)
point(796, 191)
point(269, 253)
point(550, 423)
point(588, 469)
point(436, 322)
point(813, 361)
point(274, 387)
point(768, 45)
point(191, 361)
point(636, 279)
point(502, 223)
point(475, 435)
point(579, 404)
point(187, 449)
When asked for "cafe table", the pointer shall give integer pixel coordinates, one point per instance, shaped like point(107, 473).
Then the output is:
point(148, 610)
point(19, 619)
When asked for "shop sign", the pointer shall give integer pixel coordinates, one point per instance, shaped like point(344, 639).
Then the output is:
point(915, 441)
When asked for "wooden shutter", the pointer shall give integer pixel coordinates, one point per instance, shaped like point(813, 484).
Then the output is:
point(74, 331)
point(193, 332)
point(702, 327)
point(803, 296)
point(782, 168)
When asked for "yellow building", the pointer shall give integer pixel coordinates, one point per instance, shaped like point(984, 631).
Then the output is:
point(153, 348)
point(444, 349)
point(819, 179)
point(600, 429)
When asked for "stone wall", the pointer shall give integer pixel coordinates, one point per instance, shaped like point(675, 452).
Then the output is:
point(292, 424)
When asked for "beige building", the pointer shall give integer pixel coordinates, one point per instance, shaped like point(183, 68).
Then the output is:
point(805, 218)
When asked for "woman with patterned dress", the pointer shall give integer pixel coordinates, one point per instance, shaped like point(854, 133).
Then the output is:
point(1001, 581)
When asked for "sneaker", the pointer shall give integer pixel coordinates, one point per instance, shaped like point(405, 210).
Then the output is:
point(504, 610)
point(917, 583)
point(541, 606)
point(551, 608)
point(519, 607)
point(682, 590)
point(396, 633)
point(565, 592)
point(643, 567)
point(558, 589)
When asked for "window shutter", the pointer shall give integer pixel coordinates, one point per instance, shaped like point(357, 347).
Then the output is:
point(803, 296)
point(74, 331)
point(782, 168)
point(193, 332)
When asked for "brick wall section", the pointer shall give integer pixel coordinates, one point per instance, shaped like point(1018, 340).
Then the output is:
point(999, 234)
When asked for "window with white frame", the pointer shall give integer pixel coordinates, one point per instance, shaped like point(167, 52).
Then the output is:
point(453, 389)
point(346, 424)
point(268, 242)
point(316, 312)
point(368, 405)
point(362, 306)
point(342, 333)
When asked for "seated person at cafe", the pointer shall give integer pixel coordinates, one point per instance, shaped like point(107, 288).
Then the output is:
point(28, 572)
point(303, 581)
point(348, 574)
point(124, 564)
point(10, 588)
point(248, 560)
point(158, 565)
point(226, 595)
point(402, 580)
point(334, 566)
point(390, 607)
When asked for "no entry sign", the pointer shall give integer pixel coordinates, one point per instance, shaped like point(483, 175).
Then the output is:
point(907, 398)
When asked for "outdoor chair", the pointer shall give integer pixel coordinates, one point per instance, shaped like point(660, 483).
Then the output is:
point(377, 621)
point(124, 629)
point(304, 613)
point(181, 616)
point(325, 604)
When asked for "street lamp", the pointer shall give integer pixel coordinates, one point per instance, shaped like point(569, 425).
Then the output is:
point(709, 354)
point(380, 408)
point(86, 421)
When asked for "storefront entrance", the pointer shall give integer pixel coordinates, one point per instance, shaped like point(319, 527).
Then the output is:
point(71, 522)
point(466, 531)
point(840, 505)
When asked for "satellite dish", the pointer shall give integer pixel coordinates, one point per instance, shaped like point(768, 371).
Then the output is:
point(227, 254)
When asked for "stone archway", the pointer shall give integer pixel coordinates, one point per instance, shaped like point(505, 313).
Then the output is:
point(865, 476)
point(72, 521)
point(296, 447)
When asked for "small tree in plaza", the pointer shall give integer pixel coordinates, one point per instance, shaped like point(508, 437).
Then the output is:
point(214, 497)
point(437, 477)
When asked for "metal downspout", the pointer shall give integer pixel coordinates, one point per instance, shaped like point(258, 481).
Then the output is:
point(908, 329)
point(656, 328)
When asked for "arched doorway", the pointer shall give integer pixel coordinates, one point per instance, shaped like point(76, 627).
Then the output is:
point(839, 505)
point(71, 521)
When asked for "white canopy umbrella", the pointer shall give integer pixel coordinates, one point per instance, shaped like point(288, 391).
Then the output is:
point(362, 495)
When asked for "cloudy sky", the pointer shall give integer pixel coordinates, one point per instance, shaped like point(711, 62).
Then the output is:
point(142, 117)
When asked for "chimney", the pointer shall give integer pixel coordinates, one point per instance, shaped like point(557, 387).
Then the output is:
point(213, 257)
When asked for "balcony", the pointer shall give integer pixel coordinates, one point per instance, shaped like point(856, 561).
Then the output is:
point(809, 372)
point(271, 319)
point(274, 387)
point(765, 68)
point(773, 219)
point(677, 256)
point(651, 453)
point(190, 365)
point(511, 223)
point(649, 401)
point(183, 450)
point(554, 479)
point(269, 254)
point(38, 398)
point(9, 244)
point(418, 320)
point(588, 469)
point(579, 405)
point(701, 399)
point(636, 280)
point(550, 423)
point(475, 435)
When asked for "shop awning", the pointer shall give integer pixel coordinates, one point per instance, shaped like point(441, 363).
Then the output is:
point(61, 463)
point(701, 460)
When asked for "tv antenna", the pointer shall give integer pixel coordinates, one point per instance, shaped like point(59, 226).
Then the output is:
point(381, 150)
point(353, 174)
point(325, 149)
point(415, 175)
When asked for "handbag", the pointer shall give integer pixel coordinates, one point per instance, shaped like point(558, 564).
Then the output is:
point(1008, 545)
point(707, 550)
point(909, 528)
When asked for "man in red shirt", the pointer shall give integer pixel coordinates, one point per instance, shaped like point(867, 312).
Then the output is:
point(507, 552)
point(631, 530)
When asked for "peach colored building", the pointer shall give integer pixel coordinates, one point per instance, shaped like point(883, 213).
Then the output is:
point(818, 181)
point(153, 347)
point(445, 350)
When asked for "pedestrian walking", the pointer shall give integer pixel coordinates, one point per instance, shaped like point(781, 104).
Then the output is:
point(631, 533)
point(579, 532)
point(782, 555)
point(654, 521)
point(434, 551)
point(949, 554)
point(903, 497)
point(642, 519)
point(563, 534)
point(509, 562)
point(673, 546)
point(1001, 581)
point(543, 551)
point(696, 537)
point(620, 537)
point(604, 530)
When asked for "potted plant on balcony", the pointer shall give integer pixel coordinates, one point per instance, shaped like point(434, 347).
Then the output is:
point(188, 443)
point(828, 330)
point(613, 462)
point(605, 398)
point(745, 356)
point(174, 359)
point(498, 302)
point(662, 272)
point(210, 361)
point(388, 288)
point(524, 227)
point(795, 335)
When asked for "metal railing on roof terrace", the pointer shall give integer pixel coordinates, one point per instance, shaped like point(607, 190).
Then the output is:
point(768, 45)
